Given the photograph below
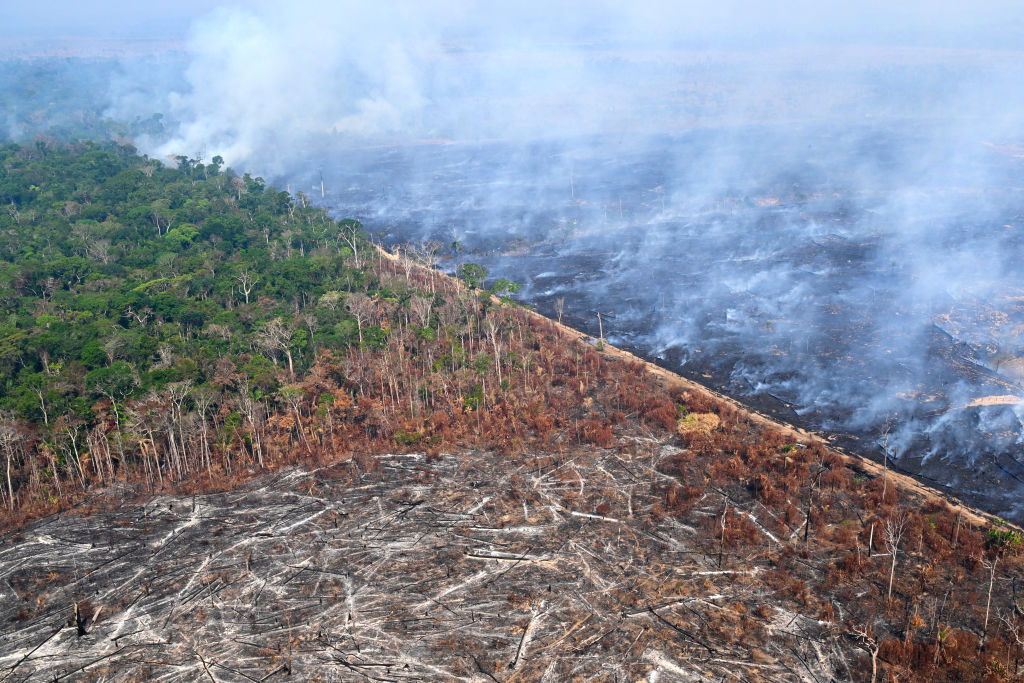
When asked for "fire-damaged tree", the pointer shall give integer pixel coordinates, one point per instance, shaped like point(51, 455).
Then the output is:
point(168, 378)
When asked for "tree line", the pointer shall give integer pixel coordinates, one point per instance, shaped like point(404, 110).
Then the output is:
point(165, 323)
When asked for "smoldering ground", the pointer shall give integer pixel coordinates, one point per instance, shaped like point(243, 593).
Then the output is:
point(819, 211)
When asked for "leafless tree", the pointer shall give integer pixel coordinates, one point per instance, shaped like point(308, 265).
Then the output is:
point(145, 418)
point(204, 400)
point(331, 299)
point(47, 288)
point(275, 336)
point(8, 442)
point(427, 254)
point(421, 307)
point(349, 235)
point(246, 281)
point(894, 528)
point(721, 546)
point(885, 454)
point(166, 359)
point(560, 308)
point(142, 316)
point(98, 250)
point(66, 433)
point(361, 307)
point(250, 408)
point(239, 185)
point(293, 396)
point(177, 394)
point(112, 347)
point(1013, 626)
point(991, 567)
point(493, 333)
point(311, 324)
point(406, 260)
point(870, 644)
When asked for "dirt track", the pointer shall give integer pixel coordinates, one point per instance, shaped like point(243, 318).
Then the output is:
point(798, 435)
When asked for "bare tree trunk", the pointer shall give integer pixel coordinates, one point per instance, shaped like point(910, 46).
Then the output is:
point(869, 644)
point(721, 546)
point(892, 574)
point(894, 528)
point(988, 602)
point(72, 437)
point(885, 474)
point(10, 484)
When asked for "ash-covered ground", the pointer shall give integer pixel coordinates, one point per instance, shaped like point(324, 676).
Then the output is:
point(468, 567)
point(854, 283)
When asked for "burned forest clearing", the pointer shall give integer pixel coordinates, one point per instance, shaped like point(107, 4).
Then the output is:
point(247, 445)
point(586, 563)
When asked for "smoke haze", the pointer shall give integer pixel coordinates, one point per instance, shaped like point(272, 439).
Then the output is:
point(469, 71)
point(817, 209)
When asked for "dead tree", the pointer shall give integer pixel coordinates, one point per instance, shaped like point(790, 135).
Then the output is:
point(428, 254)
point(177, 394)
point(251, 410)
point(81, 619)
point(894, 528)
point(246, 281)
point(991, 567)
point(815, 482)
point(869, 643)
point(1013, 627)
point(275, 335)
point(8, 441)
point(721, 545)
point(421, 307)
point(349, 235)
point(361, 307)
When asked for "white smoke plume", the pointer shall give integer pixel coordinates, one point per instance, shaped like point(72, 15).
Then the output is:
point(817, 203)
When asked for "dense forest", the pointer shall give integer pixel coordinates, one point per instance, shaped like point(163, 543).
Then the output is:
point(159, 322)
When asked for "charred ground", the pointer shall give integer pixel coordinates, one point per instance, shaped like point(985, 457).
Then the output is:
point(465, 489)
point(854, 302)
point(670, 539)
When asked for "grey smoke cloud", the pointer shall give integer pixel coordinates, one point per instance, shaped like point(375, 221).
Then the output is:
point(816, 202)
point(264, 74)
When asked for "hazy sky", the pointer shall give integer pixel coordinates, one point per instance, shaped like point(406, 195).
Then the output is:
point(102, 19)
point(704, 24)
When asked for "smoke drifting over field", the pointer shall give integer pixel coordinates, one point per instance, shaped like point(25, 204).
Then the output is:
point(819, 211)
point(468, 71)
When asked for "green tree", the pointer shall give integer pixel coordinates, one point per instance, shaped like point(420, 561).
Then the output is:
point(473, 274)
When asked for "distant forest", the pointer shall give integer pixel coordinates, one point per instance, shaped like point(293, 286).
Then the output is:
point(72, 98)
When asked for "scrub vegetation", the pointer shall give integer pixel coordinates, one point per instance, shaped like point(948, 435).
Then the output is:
point(169, 334)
